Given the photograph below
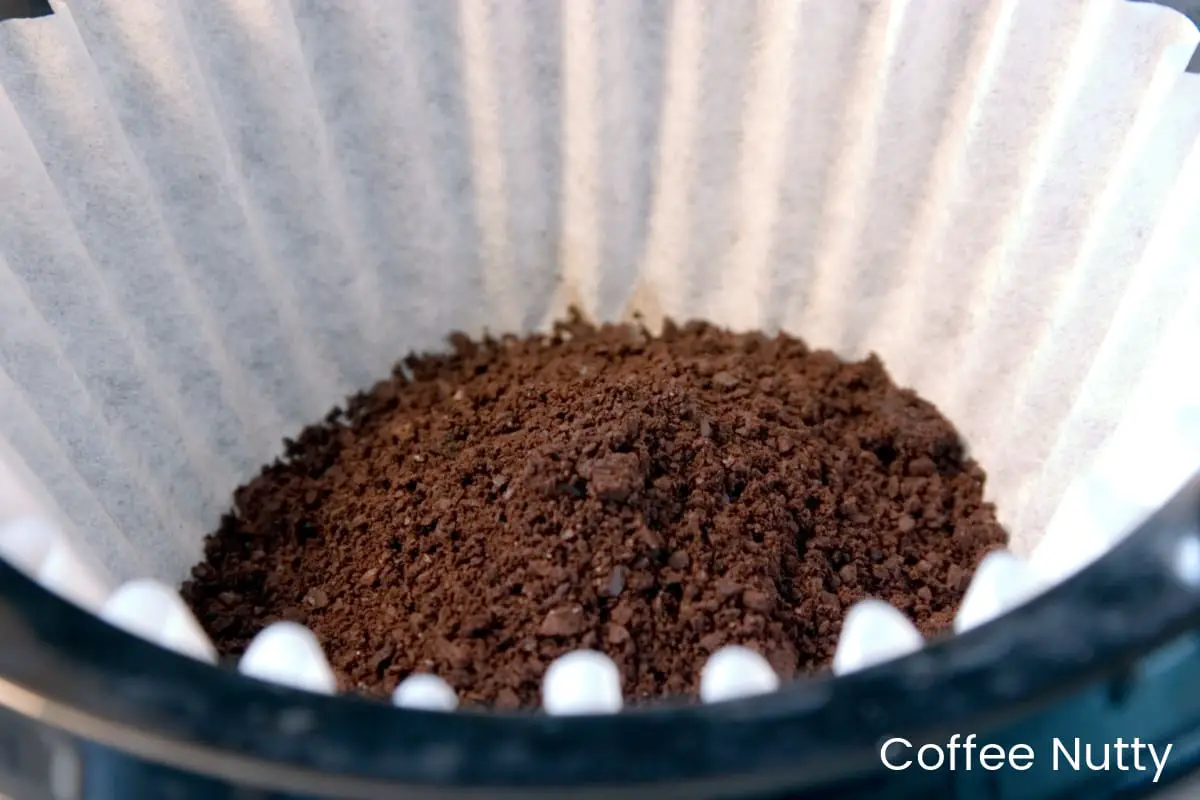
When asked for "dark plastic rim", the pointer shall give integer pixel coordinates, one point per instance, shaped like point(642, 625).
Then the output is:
point(69, 670)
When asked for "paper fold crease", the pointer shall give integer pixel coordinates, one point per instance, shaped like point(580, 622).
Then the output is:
point(219, 218)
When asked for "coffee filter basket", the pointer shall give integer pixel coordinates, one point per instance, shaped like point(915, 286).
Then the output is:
point(219, 219)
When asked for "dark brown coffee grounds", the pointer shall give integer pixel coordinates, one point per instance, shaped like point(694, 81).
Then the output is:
point(653, 498)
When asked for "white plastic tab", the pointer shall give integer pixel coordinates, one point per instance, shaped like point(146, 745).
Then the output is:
point(25, 543)
point(874, 632)
point(1002, 582)
point(288, 653)
point(156, 612)
point(734, 672)
point(425, 691)
point(582, 682)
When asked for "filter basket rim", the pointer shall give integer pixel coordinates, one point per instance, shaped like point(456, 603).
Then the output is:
point(69, 670)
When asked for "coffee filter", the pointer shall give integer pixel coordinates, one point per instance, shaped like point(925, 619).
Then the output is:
point(218, 219)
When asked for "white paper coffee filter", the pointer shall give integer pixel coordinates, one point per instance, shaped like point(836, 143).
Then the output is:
point(220, 217)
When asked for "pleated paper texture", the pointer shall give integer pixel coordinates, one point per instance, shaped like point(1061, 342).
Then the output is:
point(220, 217)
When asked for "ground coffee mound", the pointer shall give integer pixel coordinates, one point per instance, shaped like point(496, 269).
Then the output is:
point(653, 498)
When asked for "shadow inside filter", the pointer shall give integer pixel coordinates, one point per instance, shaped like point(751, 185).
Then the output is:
point(628, 181)
point(387, 85)
point(517, 157)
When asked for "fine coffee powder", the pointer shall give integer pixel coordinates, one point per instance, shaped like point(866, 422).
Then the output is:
point(483, 512)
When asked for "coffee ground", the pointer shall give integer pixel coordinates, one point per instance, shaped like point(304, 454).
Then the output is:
point(652, 498)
